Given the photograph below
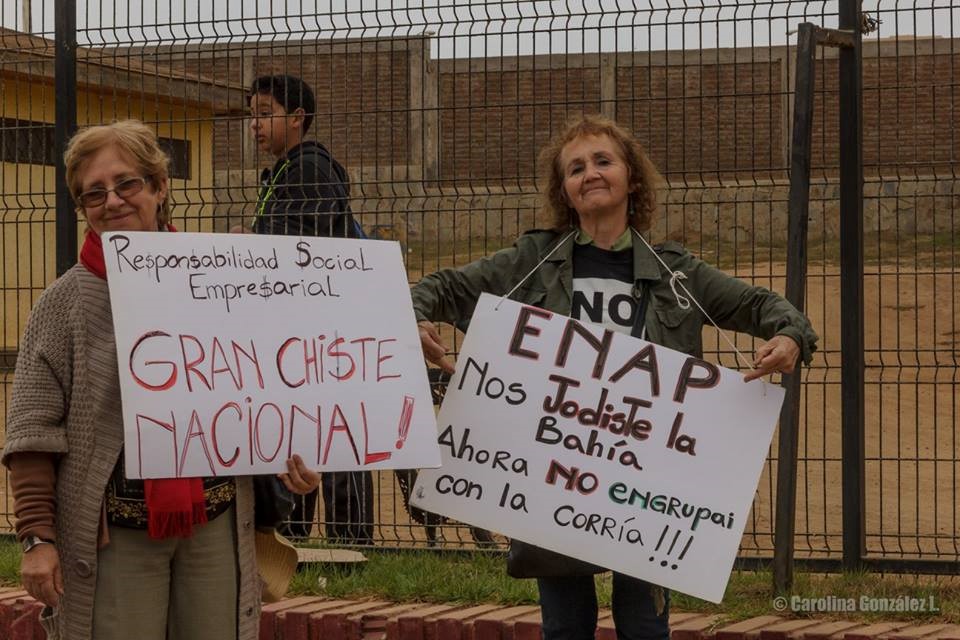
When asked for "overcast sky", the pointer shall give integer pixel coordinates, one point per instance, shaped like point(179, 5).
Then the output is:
point(476, 28)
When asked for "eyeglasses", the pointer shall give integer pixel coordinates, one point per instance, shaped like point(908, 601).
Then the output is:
point(126, 188)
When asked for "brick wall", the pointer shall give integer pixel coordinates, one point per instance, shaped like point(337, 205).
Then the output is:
point(362, 100)
point(718, 118)
point(415, 132)
point(493, 122)
point(362, 94)
point(721, 118)
point(224, 64)
point(911, 107)
point(721, 113)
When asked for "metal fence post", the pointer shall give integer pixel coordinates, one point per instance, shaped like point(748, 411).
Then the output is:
point(797, 212)
point(851, 286)
point(65, 83)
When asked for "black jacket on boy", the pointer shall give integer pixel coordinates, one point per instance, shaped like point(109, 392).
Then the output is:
point(306, 193)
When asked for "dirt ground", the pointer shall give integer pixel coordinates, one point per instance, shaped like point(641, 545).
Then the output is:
point(912, 425)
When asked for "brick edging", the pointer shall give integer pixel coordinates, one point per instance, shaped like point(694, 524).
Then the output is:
point(318, 618)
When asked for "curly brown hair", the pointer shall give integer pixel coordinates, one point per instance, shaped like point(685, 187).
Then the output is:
point(643, 174)
point(135, 139)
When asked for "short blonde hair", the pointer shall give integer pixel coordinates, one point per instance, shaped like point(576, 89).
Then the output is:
point(135, 140)
point(644, 177)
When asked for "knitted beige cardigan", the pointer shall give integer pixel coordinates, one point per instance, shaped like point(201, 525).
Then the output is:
point(66, 400)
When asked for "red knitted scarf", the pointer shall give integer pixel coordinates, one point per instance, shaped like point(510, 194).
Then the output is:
point(174, 505)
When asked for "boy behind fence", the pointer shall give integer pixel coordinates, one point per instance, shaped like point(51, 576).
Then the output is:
point(306, 193)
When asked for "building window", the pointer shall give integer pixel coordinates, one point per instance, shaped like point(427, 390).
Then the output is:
point(179, 153)
point(32, 142)
point(26, 141)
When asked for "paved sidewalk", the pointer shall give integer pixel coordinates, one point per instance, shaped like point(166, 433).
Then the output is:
point(317, 618)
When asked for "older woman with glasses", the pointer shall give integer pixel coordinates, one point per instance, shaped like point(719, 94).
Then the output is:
point(114, 557)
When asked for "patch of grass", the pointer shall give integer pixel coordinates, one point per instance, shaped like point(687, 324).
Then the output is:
point(932, 250)
point(940, 594)
point(939, 250)
point(463, 578)
point(749, 594)
point(424, 576)
point(419, 576)
point(9, 561)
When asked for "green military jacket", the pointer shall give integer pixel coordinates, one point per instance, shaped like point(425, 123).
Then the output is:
point(450, 295)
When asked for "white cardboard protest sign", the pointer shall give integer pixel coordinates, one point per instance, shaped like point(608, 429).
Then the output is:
point(237, 351)
point(600, 446)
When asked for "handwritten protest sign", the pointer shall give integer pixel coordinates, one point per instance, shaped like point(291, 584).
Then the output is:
point(236, 352)
point(600, 446)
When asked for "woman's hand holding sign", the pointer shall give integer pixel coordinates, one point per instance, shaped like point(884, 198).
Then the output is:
point(780, 353)
point(299, 479)
point(433, 348)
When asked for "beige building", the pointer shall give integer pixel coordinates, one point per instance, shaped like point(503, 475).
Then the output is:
point(110, 86)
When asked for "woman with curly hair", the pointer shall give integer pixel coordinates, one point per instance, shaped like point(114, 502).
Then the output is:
point(593, 264)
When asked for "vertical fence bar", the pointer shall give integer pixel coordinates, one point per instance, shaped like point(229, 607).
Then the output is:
point(851, 286)
point(65, 82)
point(797, 212)
point(27, 24)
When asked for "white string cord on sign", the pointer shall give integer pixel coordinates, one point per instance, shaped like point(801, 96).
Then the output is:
point(675, 277)
point(531, 272)
point(684, 302)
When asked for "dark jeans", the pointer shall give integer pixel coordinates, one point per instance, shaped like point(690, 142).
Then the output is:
point(568, 606)
point(347, 513)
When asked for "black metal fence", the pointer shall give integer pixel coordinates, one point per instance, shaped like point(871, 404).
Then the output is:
point(438, 112)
